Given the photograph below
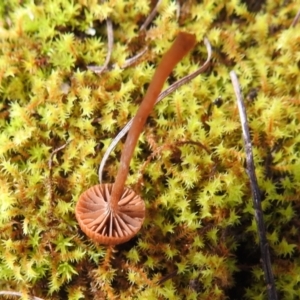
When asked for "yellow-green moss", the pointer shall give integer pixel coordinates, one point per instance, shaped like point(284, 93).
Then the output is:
point(200, 229)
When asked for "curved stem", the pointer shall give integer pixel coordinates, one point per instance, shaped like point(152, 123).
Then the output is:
point(162, 95)
point(110, 44)
point(180, 47)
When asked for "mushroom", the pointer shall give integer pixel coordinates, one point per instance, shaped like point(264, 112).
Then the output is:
point(112, 214)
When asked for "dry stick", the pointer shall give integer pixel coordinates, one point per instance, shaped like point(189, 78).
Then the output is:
point(150, 17)
point(130, 61)
point(167, 277)
point(161, 96)
point(264, 246)
point(178, 9)
point(10, 293)
point(181, 46)
point(297, 17)
point(110, 43)
point(127, 63)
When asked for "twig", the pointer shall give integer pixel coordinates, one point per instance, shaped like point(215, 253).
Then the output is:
point(161, 96)
point(264, 246)
point(10, 293)
point(167, 277)
point(297, 17)
point(150, 17)
point(51, 170)
point(130, 61)
point(110, 43)
point(178, 9)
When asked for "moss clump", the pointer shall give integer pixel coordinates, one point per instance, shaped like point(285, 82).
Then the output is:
point(199, 240)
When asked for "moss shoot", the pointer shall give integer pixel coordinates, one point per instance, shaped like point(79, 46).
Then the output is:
point(199, 239)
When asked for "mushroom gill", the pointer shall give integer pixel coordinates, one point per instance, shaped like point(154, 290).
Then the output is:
point(112, 213)
point(104, 225)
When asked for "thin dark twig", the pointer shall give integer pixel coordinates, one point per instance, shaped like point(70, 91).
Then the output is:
point(264, 246)
point(150, 17)
point(110, 44)
point(297, 17)
point(200, 145)
point(178, 9)
point(161, 96)
point(50, 164)
point(167, 277)
point(10, 293)
point(127, 63)
point(132, 60)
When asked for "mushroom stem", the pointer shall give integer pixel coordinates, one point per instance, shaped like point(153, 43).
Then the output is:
point(183, 43)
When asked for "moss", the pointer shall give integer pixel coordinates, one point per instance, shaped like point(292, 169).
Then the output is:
point(199, 240)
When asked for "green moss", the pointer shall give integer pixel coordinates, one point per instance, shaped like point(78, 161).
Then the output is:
point(199, 240)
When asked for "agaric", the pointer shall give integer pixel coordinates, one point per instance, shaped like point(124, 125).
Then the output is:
point(112, 214)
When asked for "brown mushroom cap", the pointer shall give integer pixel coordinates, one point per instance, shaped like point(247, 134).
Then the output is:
point(99, 222)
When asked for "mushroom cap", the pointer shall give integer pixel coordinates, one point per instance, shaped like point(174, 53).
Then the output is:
point(103, 225)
